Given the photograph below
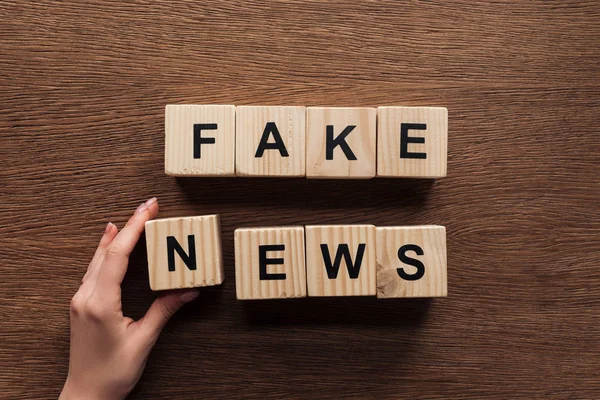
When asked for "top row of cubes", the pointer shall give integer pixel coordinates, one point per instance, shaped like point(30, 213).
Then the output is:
point(315, 142)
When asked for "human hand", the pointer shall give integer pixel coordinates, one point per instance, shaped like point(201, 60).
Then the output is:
point(108, 350)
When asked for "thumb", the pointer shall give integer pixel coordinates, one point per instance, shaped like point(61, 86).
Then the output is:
point(163, 308)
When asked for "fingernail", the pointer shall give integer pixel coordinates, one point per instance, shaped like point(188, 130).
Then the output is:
point(146, 205)
point(189, 296)
point(108, 228)
point(141, 207)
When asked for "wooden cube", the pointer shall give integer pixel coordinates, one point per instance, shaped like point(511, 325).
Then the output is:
point(184, 252)
point(340, 142)
point(200, 140)
point(269, 263)
point(412, 142)
point(411, 261)
point(340, 260)
point(270, 141)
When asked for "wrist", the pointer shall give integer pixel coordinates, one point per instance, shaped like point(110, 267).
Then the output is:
point(70, 392)
point(73, 391)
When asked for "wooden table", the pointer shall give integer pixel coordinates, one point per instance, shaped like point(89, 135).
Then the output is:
point(83, 88)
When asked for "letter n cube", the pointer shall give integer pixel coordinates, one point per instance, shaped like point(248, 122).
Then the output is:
point(184, 252)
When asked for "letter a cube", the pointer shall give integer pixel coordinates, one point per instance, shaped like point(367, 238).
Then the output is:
point(270, 141)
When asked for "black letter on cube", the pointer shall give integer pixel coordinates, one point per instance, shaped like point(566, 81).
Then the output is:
point(405, 140)
point(263, 262)
point(174, 246)
point(411, 261)
point(199, 140)
point(271, 127)
point(340, 140)
point(343, 250)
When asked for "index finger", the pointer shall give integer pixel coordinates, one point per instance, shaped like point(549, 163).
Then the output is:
point(116, 257)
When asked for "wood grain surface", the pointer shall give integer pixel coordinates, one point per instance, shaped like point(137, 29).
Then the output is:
point(84, 86)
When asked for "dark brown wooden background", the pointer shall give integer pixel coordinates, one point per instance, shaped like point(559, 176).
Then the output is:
point(83, 87)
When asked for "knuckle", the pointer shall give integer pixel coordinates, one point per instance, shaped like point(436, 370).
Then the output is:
point(95, 310)
point(77, 304)
point(131, 221)
point(134, 223)
point(113, 252)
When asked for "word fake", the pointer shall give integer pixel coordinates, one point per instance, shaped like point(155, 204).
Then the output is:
point(313, 142)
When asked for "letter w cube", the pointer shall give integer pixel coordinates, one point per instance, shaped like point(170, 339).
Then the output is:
point(341, 260)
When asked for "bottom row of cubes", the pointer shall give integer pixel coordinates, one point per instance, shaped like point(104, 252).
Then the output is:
point(297, 261)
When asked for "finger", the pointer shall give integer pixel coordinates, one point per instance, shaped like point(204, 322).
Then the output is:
point(116, 256)
point(109, 234)
point(162, 309)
